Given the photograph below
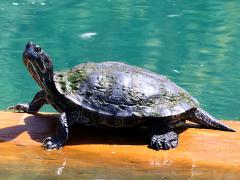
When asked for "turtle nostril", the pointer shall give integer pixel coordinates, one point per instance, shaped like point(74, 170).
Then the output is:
point(28, 45)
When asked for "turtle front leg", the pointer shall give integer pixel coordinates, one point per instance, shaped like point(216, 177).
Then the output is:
point(34, 106)
point(57, 141)
point(161, 136)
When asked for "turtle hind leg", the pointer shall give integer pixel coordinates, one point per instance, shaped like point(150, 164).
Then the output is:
point(203, 118)
point(161, 136)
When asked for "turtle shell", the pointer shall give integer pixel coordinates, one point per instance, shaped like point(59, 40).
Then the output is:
point(118, 89)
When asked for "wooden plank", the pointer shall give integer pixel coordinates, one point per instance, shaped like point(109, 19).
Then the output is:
point(202, 153)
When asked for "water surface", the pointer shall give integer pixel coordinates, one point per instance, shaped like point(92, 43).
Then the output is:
point(196, 44)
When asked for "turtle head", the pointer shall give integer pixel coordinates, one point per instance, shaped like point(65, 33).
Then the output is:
point(38, 64)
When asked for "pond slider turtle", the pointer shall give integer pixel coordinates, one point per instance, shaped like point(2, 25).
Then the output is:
point(112, 94)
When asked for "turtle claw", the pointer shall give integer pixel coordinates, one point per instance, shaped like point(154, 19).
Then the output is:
point(53, 143)
point(164, 141)
point(19, 108)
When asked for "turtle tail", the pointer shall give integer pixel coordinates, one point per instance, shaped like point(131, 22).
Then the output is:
point(203, 118)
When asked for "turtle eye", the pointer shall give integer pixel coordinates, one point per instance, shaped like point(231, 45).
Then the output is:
point(38, 49)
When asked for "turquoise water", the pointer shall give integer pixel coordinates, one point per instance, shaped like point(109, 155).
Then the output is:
point(194, 43)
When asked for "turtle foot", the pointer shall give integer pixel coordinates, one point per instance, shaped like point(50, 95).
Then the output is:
point(164, 141)
point(19, 108)
point(53, 142)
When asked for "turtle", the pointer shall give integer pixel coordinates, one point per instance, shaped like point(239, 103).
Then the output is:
point(112, 94)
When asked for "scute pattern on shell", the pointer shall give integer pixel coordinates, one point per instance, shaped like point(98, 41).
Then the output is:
point(118, 89)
